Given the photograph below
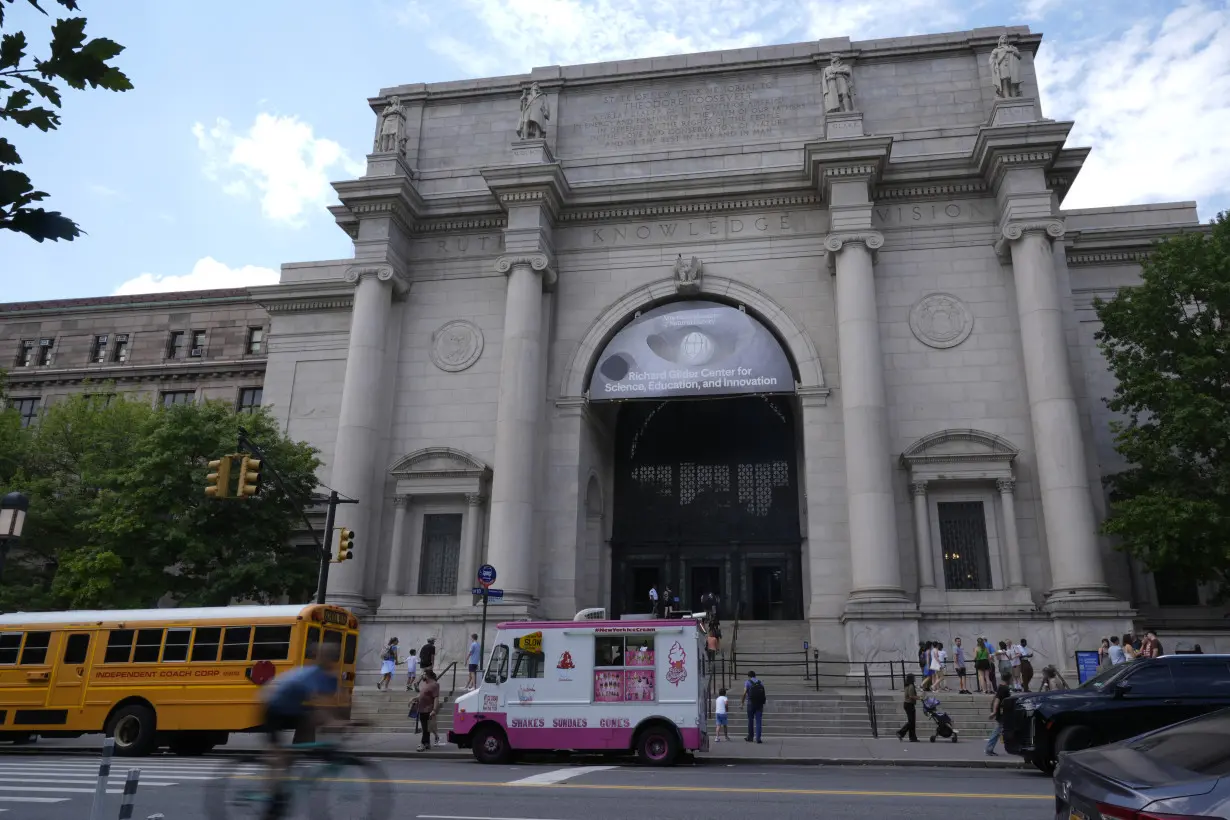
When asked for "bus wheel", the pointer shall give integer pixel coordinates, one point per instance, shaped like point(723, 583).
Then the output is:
point(133, 727)
point(657, 746)
point(490, 745)
point(191, 744)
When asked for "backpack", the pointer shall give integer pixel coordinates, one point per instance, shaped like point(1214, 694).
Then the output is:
point(388, 655)
point(756, 694)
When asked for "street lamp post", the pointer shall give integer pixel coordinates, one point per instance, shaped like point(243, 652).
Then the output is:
point(12, 520)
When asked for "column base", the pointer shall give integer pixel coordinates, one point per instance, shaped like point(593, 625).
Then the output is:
point(1009, 602)
point(878, 600)
point(354, 602)
point(1086, 600)
point(881, 640)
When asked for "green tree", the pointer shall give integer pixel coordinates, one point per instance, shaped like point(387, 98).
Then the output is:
point(1168, 344)
point(118, 516)
point(76, 63)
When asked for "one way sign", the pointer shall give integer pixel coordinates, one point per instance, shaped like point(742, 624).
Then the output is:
point(491, 593)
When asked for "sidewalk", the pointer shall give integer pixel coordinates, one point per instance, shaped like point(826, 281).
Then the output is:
point(800, 751)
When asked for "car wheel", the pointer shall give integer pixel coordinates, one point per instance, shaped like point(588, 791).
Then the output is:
point(490, 745)
point(133, 728)
point(657, 746)
point(1074, 739)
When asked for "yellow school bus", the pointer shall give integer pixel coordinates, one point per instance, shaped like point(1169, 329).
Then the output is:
point(183, 678)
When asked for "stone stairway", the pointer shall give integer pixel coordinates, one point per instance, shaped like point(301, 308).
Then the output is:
point(387, 711)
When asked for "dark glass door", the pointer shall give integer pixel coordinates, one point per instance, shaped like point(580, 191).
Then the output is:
point(703, 579)
point(767, 588)
point(641, 580)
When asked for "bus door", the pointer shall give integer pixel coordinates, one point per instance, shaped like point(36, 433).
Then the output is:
point(71, 670)
point(333, 639)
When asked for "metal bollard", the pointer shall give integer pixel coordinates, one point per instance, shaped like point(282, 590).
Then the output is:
point(104, 774)
point(130, 792)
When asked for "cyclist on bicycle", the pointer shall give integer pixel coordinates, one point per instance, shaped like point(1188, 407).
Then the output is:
point(291, 703)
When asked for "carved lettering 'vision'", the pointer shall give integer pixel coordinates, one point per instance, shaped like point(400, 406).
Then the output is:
point(932, 213)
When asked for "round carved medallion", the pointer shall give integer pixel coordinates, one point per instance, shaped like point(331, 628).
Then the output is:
point(941, 320)
point(456, 345)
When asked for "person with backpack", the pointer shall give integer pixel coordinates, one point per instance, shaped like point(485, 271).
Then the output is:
point(427, 656)
point(753, 699)
point(388, 662)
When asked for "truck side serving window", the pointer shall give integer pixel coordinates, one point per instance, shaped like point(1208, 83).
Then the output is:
point(497, 669)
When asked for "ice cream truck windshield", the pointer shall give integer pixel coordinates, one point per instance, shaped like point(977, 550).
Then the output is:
point(599, 686)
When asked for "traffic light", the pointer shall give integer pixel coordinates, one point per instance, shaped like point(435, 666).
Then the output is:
point(249, 477)
point(345, 544)
point(218, 482)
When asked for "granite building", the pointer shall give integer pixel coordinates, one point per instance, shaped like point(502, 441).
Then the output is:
point(806, 326)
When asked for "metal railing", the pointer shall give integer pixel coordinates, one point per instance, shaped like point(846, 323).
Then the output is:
point(870, 698)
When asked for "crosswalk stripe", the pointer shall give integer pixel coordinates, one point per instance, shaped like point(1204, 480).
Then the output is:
point(155, 773)
point(80, 781)
point(7, 799)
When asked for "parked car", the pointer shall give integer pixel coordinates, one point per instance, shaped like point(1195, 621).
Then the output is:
point(1121, 702)
point(1177, 772)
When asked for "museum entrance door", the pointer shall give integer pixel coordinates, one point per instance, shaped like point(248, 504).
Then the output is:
point(707, 500)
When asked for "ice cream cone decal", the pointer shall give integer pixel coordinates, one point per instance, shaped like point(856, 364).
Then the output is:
point(678, 658)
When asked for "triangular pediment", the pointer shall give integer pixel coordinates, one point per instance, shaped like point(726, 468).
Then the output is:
point(438, 461)
point(960, 446)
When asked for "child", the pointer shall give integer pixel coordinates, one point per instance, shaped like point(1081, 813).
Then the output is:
point(412, 670)
point(723, 730)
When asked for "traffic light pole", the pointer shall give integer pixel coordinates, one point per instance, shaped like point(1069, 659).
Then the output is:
point(326, 554)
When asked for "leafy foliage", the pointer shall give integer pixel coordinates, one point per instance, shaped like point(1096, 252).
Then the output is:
point(75, 62)
point(1168, 345)
point(118, 516)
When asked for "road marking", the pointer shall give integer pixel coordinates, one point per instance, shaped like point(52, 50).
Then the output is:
point(7, 799)
point(464, 817)
point(79, 781)
point(557, 776)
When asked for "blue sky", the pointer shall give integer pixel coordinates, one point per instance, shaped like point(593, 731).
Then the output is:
point(214, 170)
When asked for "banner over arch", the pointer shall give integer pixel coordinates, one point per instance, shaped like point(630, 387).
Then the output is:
point(688, 350)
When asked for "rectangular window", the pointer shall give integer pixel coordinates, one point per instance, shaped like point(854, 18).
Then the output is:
point(1203, 679)
point(34, 653)
point(311, 643)
point(120, 352)
point(256, 340)
point(25, 353)
point(27, 409)
point(175, 345)
point(963, 539)
point(271, 643)
point(1173, 589)
point(76, 648)
point(249, 399)
point(624, 668)
point(100, 400)
point(497, 667)
point(10, 642)
point(149, 646)
point(333, 638)
point(441, 549)
point(205, 647)
point(98, 349)
point(176, 648)
point(45, 346)
point(198, 344)
point(349, 652)
point(170, 398)
point(119, 646)
point(235, 643)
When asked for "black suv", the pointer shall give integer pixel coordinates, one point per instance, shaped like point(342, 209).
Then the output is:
point(1121, 702)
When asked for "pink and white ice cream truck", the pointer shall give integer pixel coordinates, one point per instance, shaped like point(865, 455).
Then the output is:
point(588, 685)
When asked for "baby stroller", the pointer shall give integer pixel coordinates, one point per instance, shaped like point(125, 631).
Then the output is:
point(943, 723)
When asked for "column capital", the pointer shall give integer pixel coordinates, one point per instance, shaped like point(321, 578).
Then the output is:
point(402, 502)
point(1006, 486)
point(1017, 229)
point(474, 499)
point(538, 262)
point(873, 240)
point(382, 272)
point(918, 487)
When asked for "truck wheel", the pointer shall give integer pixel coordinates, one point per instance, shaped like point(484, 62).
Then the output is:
point(657, 746)
point(1073, 739)
point(133, 728)
point(1042, 764)
point(490, 745)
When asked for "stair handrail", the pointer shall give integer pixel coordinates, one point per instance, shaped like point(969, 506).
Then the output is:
point(871, 703)
point(453, 667)
point(734, 642)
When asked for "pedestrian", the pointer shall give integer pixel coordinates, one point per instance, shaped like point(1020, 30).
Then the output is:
point(427, 656)
point(1052, 681)
point(925, 663)
point(412, 670)
point(997, 715)
point(720, 707)
point(941, 661)
point(388, 663)
point(1003, 661)
point(992, 656)
point(1115, 651)
point(711, 649)
point(472, 659)
point(1104, 654)
point(1129, 651)
point(923, 646)
point(429, 692)
point(1014, 655)
point(653, 600)
point(911, 698)
point(754, 699)
point(982, 666)
point(668, 601)
point(1196, 650)
point(1152, 647)
point(1027, 666)
point(958, 663)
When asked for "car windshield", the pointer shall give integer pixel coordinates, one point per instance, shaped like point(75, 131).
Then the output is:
point(1107, 675)
point(1198, 746)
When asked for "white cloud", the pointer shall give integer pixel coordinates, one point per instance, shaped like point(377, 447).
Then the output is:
point(103, 191)
point(1154, 104)
point(206, 274)
point(279, 160)
point(1037, 9)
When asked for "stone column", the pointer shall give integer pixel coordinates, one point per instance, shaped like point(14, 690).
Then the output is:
point(1071, 526)
point(467, 567)
point(922, 536)
point(395, 584)
point(511, 547)
point(358, 422)
point(1007, 501)
point(876, 566)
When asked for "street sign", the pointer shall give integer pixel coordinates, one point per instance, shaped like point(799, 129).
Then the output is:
point(486, 575)
point(493, 594)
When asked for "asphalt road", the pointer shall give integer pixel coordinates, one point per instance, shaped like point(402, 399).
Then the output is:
point(54, 787)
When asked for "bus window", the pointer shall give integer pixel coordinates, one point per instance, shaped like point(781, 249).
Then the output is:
point(348, 652)
point(310, 643)
point(235, 643)
point(333, 638)
point(497, 670)
point(10, 642)
point(271, 643)
point(149, 644)
point(205, 646)
point(76, 648)
point(119, 646)
point(35, 651)
point(176, 649)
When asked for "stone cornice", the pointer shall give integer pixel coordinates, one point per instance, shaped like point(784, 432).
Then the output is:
point(161, 302)
point(832, 161)
point(542, 184)
point(1000, 149)
point(1106, 258)
point(691, 207)
point(391, 197)
point(474, 223)
point(949, 190)
point(196, 370)
point(304, 297)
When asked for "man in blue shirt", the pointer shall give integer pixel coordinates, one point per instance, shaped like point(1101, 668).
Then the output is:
point(753, 698)
point(474, 660)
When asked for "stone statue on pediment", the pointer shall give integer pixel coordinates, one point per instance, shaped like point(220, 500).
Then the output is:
point(687, 275)
point(392, 128)
point(838, 86)
point(1006, 69)
point(534, 114)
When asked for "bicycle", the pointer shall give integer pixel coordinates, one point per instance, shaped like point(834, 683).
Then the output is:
point(340, 785)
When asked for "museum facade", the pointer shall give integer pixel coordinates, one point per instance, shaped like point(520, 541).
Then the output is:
point(805, 326)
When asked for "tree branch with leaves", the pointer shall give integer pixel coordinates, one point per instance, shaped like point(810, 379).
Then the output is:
point(74, 62)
